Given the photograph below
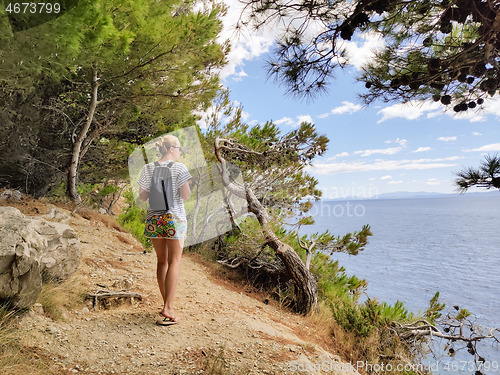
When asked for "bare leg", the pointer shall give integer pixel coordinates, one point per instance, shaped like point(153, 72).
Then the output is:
point(160, 246)
point(174, 261)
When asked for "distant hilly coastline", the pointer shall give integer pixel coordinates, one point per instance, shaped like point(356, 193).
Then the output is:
point(412, 194)
point(418, 194)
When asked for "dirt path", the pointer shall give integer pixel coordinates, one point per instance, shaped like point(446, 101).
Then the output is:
point(222, 327)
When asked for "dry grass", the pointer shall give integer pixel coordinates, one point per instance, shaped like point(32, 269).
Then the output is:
point(16, 359)
point(216, 363)
point(352, 348)
point(124, 239)
point(136, 245)
point(108, 221)
point(58, 297)
point(348, 346)
point(322, 316)
point(118, 264)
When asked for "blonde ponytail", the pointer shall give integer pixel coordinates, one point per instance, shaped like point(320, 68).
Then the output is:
point(165, 143)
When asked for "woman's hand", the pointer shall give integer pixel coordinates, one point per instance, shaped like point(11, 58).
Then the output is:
point(185, 191)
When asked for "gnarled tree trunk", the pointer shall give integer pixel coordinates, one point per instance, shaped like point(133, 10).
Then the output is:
point(304, 281)
point(77, 145)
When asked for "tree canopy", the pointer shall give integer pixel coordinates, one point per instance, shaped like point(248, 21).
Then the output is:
point(273, 165)
point(447, 50)
point(486, 176)
point(105, 69)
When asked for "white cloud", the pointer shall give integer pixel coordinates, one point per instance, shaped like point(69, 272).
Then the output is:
point(447, 139)
point(399, 141)
point(413, 110)
point(409, 111)
point(304, 118)
point(346, 107)
point(249, 44)
point(470, 115)
point(288, 121)
point(423, 149)
point(245, 116)
point(476, 134)
point(383, 165)
point(492, 106)
point(208, 116)
point(360, 52)
point(340, 155)
point(285, 121)
point(244, 51)
point(395, 182)
point(384, 151)
point(238, 76)
point(387, 177)
point(433, 182)
point(245, 45)
point(485, 148)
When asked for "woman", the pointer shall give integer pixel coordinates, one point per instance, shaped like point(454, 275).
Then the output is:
point(167, 229)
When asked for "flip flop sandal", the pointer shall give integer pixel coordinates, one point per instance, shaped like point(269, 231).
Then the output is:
point(164, 321)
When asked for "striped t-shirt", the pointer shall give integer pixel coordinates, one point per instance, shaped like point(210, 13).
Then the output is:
point(180, 175)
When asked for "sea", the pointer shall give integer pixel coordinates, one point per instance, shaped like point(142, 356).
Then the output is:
point(420, 246)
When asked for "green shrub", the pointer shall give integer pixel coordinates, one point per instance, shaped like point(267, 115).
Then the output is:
point(363, 319)
point(58, 192)
point(333, 282)
point(94, 195)
point(351, 319)
point(133, 218)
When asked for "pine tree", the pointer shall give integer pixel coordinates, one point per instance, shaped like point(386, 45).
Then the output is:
point(486, 176)
point(119, 61)
point(447, 50)
point(275, 182)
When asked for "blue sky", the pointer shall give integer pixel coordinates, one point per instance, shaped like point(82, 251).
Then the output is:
point(385, 147)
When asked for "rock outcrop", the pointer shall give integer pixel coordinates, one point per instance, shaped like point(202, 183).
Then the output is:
point(11, 196)
point(32, 251)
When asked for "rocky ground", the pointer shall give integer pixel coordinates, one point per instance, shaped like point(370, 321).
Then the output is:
point(225, 328)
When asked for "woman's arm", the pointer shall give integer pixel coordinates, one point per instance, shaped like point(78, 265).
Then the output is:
point(143, 194)
point(185, 191)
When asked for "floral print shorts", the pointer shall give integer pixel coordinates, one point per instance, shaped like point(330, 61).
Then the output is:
point(165, 226)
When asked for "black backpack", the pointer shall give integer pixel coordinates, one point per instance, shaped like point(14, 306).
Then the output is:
point(161, 192)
